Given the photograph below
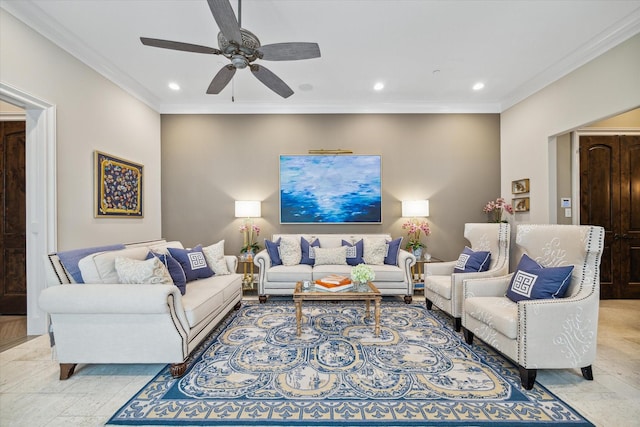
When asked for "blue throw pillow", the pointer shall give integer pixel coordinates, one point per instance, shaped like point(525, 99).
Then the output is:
point(354, 252)
point(69, 259)
point(532, 281)
point(193, 262)
point(393, 248)
point(175, 270)
point(308, 254)
point(472, 262)
point(273, 249)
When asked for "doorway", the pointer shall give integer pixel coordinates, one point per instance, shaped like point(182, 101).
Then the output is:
point(610, 197)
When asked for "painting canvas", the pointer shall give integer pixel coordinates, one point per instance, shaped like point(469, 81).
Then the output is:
point(332, 189)
point(118, 183)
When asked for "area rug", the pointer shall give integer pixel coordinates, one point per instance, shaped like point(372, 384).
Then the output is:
point(254, 371)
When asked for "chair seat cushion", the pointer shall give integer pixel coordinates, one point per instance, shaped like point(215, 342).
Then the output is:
point(499, 313)
point(440, 285)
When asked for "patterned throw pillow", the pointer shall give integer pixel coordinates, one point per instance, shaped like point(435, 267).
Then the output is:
point(273, 249)
point(331, 256)
point(393, 249)
point(175, 270)
point(151, 271)
point(290, 251)
point(193, 263)
point(533, 281)
point(308, 251)
point(375, 250)
point(214, 255)
point(354, 252)
point(472, 262)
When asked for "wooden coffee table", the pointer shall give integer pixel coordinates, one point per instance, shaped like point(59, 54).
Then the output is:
point(313, 294)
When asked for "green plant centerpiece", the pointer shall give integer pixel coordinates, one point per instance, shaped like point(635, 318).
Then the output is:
point(361, 274)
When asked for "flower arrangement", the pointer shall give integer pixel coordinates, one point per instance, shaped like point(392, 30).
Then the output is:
point(251, 233)
point(362, 273)
point(495, 208)
point(414, 229)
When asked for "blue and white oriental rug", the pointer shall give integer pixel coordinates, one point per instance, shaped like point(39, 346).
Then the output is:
point(254, 371)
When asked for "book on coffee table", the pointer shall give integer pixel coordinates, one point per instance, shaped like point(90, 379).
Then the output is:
point(334, 283)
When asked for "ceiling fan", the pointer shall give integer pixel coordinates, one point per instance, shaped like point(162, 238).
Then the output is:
point(242, 47)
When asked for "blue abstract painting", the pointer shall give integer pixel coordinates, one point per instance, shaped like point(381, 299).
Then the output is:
point(330, 189)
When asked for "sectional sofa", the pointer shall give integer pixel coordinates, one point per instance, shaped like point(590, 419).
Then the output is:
point(393, 274)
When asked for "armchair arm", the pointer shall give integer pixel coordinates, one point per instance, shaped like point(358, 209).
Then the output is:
point(441, 268)
point(485, 287)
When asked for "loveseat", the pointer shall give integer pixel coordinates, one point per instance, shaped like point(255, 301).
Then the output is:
point(392, 274)
point(107, 321)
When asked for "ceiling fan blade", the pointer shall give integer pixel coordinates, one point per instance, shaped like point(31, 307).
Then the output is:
point(289, 51)
point(271, 81)
point(185, 47)
point(226, 20)
point(221, 79)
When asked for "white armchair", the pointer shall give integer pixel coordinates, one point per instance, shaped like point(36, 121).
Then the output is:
point(542, 333)
point(443, 287)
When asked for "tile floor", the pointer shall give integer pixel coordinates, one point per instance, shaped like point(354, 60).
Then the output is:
point(31, 394)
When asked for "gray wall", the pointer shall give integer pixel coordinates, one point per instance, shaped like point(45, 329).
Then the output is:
point(208, 161)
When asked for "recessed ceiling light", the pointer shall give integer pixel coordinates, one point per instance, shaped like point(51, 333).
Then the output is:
point(478, 86)
point(174, 86)
point(378, 86)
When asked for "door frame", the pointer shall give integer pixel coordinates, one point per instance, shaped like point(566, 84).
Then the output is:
point(41, 188)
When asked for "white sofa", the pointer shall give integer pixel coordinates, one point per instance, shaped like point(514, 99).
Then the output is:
point(107, 322)
point(281, 279)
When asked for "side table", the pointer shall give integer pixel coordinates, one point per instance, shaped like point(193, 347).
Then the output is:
point(419, 272)
point(248, 270)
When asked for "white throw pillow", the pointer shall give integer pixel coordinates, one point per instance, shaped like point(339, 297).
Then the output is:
point(100, 267)
point(375, 249)
point(290, 251)
point(331, 256)
point(151, 271)
point(214, 255)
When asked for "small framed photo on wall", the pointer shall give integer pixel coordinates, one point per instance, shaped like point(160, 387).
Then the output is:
point(520, 204)
point(520, 186)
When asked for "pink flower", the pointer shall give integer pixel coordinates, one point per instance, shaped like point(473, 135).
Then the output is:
point(497, 207)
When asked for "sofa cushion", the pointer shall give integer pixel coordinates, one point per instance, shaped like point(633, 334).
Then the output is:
point(392, 251)
point(289, 273)
point(70, 259)
point(193, 262)
point(330, 241)
point(374, 251)
point(502, 312)
point(290, 251)
point(162, 248)
point(308, 251)
point(388, 273)
point(532, 281)
point(273, 249)
point(331, 256)
point(320, 271)
point(354, 252)
point(471, 261)
point(175, 270)
point(151, 271)
point(100, 267)
point(207, 297)
point(214, 254)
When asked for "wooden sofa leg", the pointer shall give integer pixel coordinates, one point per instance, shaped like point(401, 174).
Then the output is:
point(457, 323)
point(178, 369)
point(468, 336)
point(262, 299)
point(587, 373)
point(238, 305)
point(527, 377)
point(408, 299)
point(429, 304)
point(66, 370)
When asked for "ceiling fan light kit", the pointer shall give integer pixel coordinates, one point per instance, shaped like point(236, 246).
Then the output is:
point(242, 48)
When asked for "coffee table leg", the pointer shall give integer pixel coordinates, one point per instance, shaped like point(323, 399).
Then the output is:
point(377, 316)
point(298, 318)
point(368, 314)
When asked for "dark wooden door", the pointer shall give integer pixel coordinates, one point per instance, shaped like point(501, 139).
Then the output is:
point(610, 197)
point(13, 272)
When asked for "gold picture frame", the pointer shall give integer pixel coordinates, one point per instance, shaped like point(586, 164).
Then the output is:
point(520, 186)
point(520, 204)
point(118, 187)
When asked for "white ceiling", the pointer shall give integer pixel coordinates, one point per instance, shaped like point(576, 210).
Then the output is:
point(428, 53)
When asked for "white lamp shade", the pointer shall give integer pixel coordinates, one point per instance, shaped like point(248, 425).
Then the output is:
point(248, 209)
point(415, 208)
